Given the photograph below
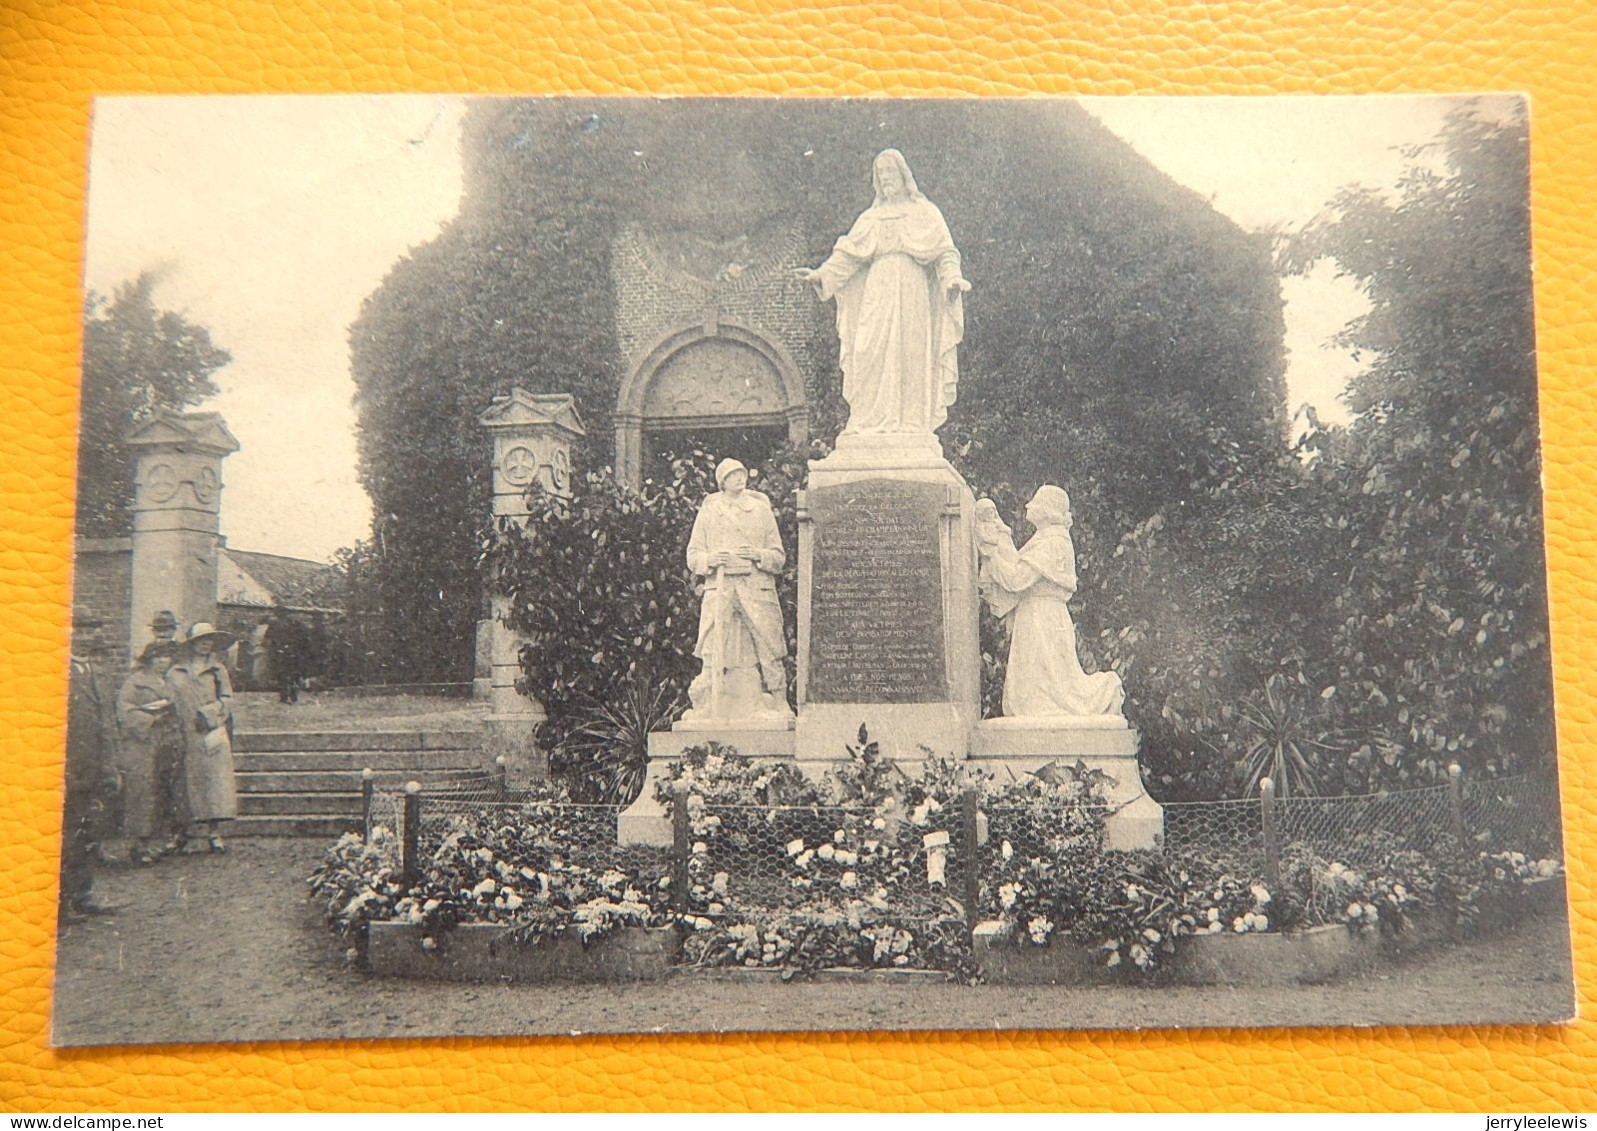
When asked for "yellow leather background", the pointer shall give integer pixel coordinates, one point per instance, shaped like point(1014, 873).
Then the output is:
point(55, 56)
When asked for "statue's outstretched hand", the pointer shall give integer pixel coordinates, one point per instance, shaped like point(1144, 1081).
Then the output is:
point(957, 287)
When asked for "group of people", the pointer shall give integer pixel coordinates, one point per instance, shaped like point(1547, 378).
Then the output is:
point(151, 768)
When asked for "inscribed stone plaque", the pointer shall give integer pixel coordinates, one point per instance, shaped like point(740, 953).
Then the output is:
point(876, 593)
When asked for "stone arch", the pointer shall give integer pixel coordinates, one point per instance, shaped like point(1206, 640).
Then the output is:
point(719, 372)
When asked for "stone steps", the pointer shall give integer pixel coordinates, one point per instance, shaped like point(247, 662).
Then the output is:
point(353, 761)
point(293, 783)
point(349, 781)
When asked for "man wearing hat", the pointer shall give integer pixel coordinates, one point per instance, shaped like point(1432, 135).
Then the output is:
point(204, 697)
point(90, 771)
point(164, 626)
point(735, 546)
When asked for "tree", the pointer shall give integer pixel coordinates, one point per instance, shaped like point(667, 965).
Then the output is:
point(136, 359)
point(1431, 499)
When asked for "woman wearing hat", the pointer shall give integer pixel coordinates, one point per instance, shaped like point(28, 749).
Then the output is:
point(205, 714)
point(150, 751)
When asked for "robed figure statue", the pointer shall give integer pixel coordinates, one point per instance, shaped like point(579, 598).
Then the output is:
point(900, 308)
point(1031, 588)
point(736, 548)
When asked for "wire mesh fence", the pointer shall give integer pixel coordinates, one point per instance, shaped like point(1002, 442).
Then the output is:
point(1521, 813)
point(937, 863)
point(797, 857)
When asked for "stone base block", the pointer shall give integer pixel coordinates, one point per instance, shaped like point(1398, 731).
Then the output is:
point(645, 820)
point(764, 738)
point(903, 731)
point(882, 453)
point(484, 952)
point(1109, 746)
point(1069, 736)
point(512, 737)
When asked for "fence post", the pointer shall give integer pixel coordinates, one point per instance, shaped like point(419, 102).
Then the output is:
point(504, 776)
point(1455, 796)
point(1272, 843)
point(368, 791)
point(409, 868)
point(969, 815)
point(681, 834)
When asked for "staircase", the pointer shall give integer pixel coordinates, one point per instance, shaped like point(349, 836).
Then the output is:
point(296, 783)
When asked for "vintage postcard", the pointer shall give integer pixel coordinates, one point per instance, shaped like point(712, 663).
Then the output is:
point(590, 565)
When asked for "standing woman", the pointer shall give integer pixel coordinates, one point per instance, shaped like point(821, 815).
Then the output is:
point(151, 746)
point(205, 715)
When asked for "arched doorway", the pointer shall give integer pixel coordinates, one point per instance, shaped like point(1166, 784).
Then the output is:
point(719, 385)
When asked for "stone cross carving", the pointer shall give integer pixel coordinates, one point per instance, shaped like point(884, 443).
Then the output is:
point(176, 517)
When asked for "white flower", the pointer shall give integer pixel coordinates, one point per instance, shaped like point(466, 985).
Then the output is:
point(1039, 928)
point(1400, 891)
point(839, 837)
point(844, 856)
point(700, 848)
point(1151, 935)
point(1354, 910)
point(1007, 893)
point(878, 824)
point(716, 908)
point(511, 900)
point(1133, 891)
point(1261, 923)
point(794, 847)
point(1214, 914)
point(1113, 959)
point(1239, 925)
point(826, 852)
point(718, 885)
point(1006, 850)
point(804, 858)
point(487, 887)
point(917, 815)
point(429, 943)
point(1261, 894)
point(849, 880)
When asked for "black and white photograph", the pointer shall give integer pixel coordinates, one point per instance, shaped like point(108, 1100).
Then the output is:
point(582, 565)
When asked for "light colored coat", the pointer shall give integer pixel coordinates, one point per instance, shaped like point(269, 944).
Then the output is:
point(205, 708)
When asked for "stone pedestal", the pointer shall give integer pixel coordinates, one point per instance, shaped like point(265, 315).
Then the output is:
point(1102, 743)
point(887, 618)
point(532, 435)
point(645, 820)
point(176, 525)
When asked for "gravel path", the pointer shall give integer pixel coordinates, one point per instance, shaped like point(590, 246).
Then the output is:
point(226, 948)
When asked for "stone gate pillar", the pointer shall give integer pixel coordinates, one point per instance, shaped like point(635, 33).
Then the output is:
point(176, 517)
point(532, 435)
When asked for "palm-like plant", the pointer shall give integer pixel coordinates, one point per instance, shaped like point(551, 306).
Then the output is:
point(1279, 740)
point(607, 756)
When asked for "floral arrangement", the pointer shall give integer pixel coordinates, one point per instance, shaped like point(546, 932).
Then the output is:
point(861, 870)
point(851, 935)
point(516, 869)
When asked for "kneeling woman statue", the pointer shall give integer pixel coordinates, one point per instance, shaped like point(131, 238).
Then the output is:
point(1031, 587)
